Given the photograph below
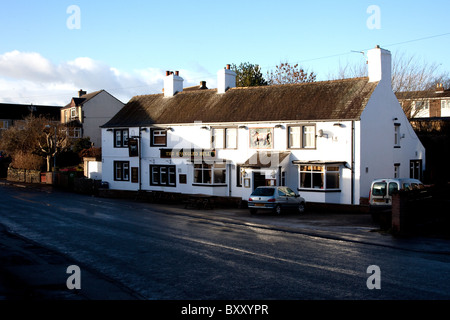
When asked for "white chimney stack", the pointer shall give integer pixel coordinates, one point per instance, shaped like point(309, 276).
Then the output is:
point(379, 65)
point(173, 83)
point(226, 79)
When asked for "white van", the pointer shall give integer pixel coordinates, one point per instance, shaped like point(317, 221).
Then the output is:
point(381, 190)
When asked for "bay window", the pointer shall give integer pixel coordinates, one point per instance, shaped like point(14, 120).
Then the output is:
point(319, 177)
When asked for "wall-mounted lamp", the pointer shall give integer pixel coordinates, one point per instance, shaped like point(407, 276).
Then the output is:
point(144, 129)
point(243, 127)
point(109, 130)
point(170, 129)
point(321, 134)
point(338, 124)
point(395, 119)
point(279, 126)
point(205, 128)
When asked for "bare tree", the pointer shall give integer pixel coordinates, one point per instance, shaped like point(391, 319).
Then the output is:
point(411, 79)
point(32, 137)
point(54, 140)
point(285, 73)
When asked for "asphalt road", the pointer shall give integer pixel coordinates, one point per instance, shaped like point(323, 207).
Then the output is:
point(167, 252)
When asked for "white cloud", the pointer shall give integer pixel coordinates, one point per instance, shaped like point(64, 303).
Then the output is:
point(28, 77)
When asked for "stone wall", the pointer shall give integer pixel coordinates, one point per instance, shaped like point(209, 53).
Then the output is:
point(23, 175)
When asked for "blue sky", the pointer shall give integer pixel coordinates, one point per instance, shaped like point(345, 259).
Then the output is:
point(124, 47)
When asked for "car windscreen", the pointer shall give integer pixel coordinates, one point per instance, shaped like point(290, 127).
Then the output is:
point(379, 189)
point(264, 192)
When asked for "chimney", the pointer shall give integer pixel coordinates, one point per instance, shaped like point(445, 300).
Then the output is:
point(226, 79)
point(379, 65)
point(173, 84)
point(203, 85)
point(81, 93)
point(439, 88)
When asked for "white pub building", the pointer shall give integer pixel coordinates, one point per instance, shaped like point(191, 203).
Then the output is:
point(326, 139)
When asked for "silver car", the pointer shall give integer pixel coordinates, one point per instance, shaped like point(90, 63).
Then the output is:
point(275, 199)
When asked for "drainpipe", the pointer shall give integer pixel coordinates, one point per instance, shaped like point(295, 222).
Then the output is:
point(229, 165)
point(353, 163)
point(139, 155)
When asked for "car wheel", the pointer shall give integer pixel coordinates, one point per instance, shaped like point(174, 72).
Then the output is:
point(253, 211)
point(277, 209)
point(301, 208)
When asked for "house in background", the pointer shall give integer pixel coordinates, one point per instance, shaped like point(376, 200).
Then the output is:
point(428, 109)
point(427, 103)
point(84, 115)
point(327, 139)
point(11, 113)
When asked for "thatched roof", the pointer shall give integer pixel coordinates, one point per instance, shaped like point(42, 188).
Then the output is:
point(325, 100)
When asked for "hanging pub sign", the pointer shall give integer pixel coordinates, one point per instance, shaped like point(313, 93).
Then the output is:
point(133, 147)
point(192, 153)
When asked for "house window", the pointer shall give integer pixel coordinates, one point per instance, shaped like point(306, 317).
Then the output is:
point(397, 136)
point(121, 170)
point(445, 108)
point(319, 177)
point(3, 124)
point(162, 175)
point(158, 137)
point(121, 138)
point(302, 137)
point(73, 113)
point(210, 174)
point(397, 170)
point(224, 138)
point(420, 109)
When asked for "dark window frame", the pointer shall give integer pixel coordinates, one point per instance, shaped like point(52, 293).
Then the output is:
point(302, 137)
point(169, 174)
point(152, 137)
point(123, 141)
point(124, 173)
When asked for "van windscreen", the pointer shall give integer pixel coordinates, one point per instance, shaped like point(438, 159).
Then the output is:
point(379, 189)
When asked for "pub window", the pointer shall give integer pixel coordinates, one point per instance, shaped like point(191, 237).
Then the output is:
point(319, 177)
point(302, 137)
point(161, 175)
point(397, 136)
point(122, 170)
point(224, 138)
point(121, 138)
point(210, 174)
point(158, 137)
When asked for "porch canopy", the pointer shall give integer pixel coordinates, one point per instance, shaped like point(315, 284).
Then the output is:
point(319, 163)
point(265, 159)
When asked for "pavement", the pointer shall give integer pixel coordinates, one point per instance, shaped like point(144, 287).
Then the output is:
point(31, 272)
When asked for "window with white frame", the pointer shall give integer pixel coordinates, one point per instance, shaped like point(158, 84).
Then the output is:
point(302, 137)
point(121, 138)
point(158, 137)
point(224, 138)
point(397, 136)
point(396, 170)
point(319, 177)
point(445, 108)
point(121, 170)
point(73, 113)
point(210, 174)
point(420, 109)
point(163, 175)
